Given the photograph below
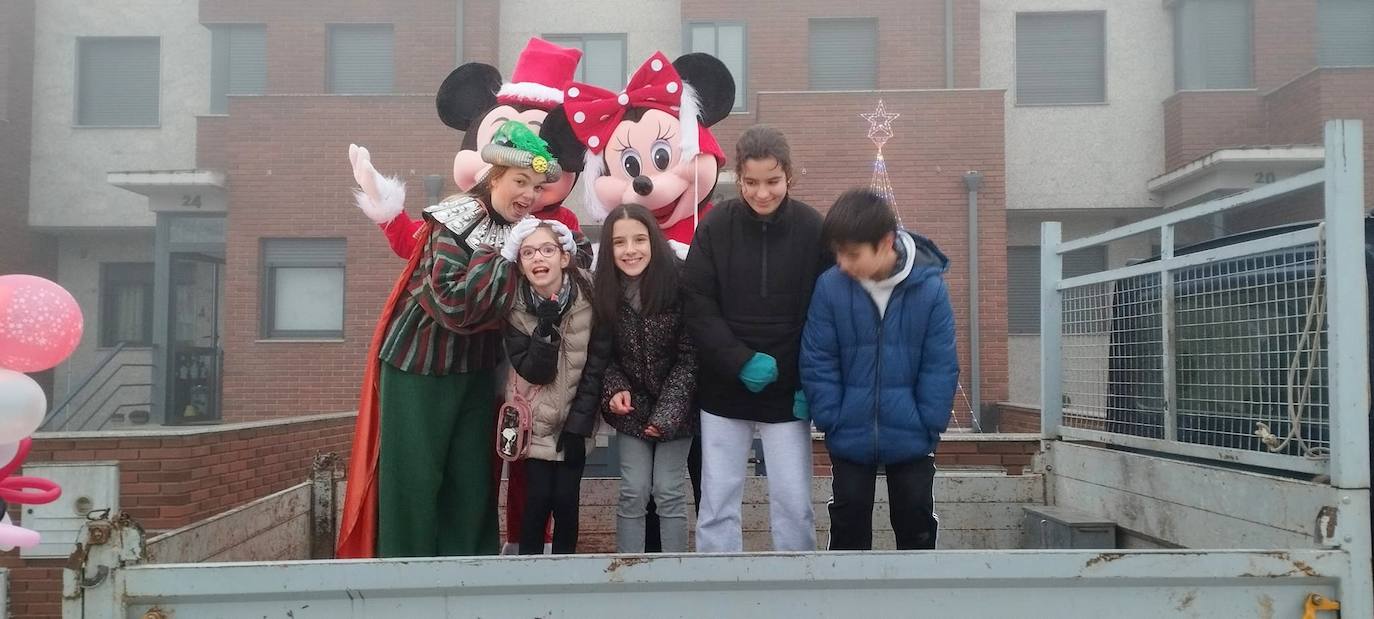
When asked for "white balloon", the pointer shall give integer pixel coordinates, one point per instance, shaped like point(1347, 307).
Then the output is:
point(22, 406)
point(7, 452)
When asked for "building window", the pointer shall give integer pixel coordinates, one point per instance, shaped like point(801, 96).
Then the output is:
point(1060, 59)
point(238, 63)
point(844, 54)
point(726, 42)
point(1212, 44)
point(117, 81)
point(303, 288)
point(360, 59)
point(603, 58)
point(1023, 286)
point(126, 304)
point(1345, 33)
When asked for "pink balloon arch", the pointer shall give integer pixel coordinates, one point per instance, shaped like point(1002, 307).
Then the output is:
point(40, 326)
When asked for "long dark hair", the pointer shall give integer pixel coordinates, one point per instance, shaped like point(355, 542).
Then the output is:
point(658, 288)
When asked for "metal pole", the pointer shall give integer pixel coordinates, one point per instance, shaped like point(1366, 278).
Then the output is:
point(1168, 336)
point(949, 43)
point(1348, 317)
point(458, 32)
point(434, 187)
point(1051, 359)
point(972, 181)
point(162, 298)
point(1348, 354)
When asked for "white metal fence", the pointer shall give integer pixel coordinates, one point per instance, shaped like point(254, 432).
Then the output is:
point(1222, 350)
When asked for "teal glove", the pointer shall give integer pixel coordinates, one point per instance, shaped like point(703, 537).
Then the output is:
point(759, 372)
point(800, 409)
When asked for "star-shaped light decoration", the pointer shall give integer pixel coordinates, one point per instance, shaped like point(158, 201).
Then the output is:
point(880, 131)
point(880, 125)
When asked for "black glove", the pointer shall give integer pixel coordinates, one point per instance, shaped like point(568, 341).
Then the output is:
point(547, 312)
point(574, 448)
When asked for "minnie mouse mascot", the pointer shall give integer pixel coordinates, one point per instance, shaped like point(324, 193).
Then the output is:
point(649, 144)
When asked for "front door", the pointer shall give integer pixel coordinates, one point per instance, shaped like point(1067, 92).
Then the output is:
point(193, 380)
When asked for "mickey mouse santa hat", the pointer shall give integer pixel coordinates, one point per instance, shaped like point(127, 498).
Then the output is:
point(540, 75)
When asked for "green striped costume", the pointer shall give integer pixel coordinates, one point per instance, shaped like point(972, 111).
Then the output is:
point(436, 486)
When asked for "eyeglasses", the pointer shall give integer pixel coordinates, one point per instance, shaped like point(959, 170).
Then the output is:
point(547, 250)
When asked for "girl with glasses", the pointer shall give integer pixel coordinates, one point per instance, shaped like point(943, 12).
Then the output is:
point(554, 387)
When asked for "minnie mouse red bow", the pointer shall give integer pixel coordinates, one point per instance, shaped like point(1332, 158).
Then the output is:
point(595, 112)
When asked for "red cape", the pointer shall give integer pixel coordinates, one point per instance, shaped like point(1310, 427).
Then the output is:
point(358, 530)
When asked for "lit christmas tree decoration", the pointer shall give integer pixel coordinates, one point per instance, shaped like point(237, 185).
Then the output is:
point(880, 131)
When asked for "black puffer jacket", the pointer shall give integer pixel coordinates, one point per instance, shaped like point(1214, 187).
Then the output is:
point(748, 281)
point(655, 360)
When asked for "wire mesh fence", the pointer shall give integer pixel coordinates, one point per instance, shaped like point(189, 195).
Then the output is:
point(1228, 353)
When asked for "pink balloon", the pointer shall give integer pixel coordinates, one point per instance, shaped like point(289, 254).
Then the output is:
point(40, 323)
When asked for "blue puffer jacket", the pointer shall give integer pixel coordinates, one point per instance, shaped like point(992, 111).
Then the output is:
point(882, 389)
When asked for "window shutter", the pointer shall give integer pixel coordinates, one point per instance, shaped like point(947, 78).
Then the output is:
point(1345, 33)
point(360, 59)
point(1023, 290)
point(1227, 37)
point(248, 60)
point(1214, 46)
point(1023, 285)
point(844, 54)
point(304, 252)
point(118, 82)
point(1059, 59)
point(238, 63)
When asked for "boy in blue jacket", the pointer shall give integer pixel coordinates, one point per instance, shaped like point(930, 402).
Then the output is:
point(879, 369)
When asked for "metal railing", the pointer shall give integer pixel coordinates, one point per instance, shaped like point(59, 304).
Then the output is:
point(1229, 350)
point(93, 405)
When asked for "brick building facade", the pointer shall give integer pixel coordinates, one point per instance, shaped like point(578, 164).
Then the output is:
point(283, 153)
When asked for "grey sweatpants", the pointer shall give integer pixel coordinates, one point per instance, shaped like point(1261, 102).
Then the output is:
point(725, 446)
point(660, 469)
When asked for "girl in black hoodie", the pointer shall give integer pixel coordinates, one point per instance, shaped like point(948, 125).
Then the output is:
point(748, 280)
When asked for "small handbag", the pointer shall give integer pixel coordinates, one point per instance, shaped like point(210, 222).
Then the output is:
point(515, 418)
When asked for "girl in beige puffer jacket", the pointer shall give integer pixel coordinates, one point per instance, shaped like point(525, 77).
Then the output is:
point(556, 365)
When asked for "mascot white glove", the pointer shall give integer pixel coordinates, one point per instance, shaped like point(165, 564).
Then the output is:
point(381, 198)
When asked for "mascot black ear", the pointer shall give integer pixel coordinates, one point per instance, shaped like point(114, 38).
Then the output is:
point(467, 94)
point(714, 85)
point(563, 143)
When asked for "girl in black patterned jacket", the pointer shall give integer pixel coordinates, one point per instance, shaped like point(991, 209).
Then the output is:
point(649, 386)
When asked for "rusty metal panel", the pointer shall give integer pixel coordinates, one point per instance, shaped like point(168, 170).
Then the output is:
point(1189, 504)
point(1119, 584)
point(273, 527)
